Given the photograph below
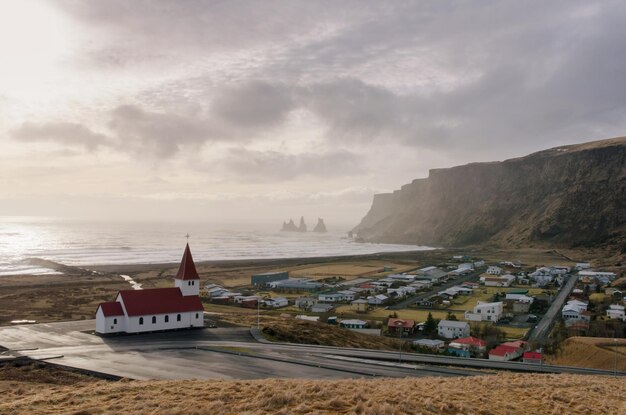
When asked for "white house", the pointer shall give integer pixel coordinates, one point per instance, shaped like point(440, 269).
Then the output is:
point(276, 302)
point(431, 344)
point(582, 265)
point(616, 311)
point(332, 297)
point(575, 311)
point(485, 312)
point(402, 277)
point(347, 295)
point(602, 277)
point(305, 302)
point(450, 329)
point(353, 324)
point(377, 299)
point(137, 311)
point(494, 270)
point(522, 298)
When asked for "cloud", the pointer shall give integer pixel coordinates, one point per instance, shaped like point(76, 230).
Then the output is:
point(156, 134)
point(252, 105)
point(278, 166)
point(62, 133)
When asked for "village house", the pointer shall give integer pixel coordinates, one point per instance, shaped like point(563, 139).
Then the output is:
point(602, 277)
point(575, 311)
point(263, 279)
point(402, 277)
point(503, 281)
point(433, 274)
point(508, 351)
point(297, 285)
point(277, 302)
point(494, 270)
point(347, 295)
point(331, 298)
point(156, 309)
point(379, 299)
point(430, 344)
point(542, 276)
point(616, 311)
point(360, 306)
point(479, 264)
point(353, 324)
point(468, 347)
point(485, 312)
point(451, 329)
point(400, 327)
point(305, 303)
point(532, 357)
point(321, 308)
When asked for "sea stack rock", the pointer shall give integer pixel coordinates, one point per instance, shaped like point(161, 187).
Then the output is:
point(302, 227)
point(320, 227)
point(289, 227)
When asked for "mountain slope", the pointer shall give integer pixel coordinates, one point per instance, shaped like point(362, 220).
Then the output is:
point(567, 196)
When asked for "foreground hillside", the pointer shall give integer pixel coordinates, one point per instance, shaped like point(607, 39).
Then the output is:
point(563, 197)
point(496, 394)
point(592, 352)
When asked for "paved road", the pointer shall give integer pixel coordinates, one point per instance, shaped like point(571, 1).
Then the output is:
point(423, 295)
point(542, 329)
point(222, 353)
point(231, 354)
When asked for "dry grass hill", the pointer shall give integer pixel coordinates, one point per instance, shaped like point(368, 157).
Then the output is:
point(23, 393)
point(593, 352)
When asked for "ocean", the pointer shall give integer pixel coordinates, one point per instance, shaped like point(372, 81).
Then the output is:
point(82, 243)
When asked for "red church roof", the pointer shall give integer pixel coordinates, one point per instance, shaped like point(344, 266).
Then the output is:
point(159, 301)
point(187, 269)
point(111, 309)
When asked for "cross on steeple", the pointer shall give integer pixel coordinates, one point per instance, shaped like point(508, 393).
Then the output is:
point(187, 236)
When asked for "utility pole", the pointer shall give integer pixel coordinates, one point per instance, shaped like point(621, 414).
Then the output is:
point(615, 358)
point(258, 313)
point(400, 358)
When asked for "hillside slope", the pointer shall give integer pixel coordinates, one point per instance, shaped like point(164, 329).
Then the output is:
point(504, 393)
point(571, 196)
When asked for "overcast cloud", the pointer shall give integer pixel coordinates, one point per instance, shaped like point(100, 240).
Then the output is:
point(242, 99)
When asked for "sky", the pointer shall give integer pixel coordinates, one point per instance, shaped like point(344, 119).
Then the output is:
point(258, 111)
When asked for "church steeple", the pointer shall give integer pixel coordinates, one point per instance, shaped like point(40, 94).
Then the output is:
point(187, 269)
point(187, 278)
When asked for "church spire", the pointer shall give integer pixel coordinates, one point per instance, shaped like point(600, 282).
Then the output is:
point(187, 269)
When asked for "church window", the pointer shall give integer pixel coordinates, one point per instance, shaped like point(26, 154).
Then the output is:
point(140, 320)
point(196, 315)
point(167, 319)
point(153, 319)
point(114, 321)
point(178, 317)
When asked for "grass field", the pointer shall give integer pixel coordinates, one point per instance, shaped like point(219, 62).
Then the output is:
point(594, 352)
point(505, 393)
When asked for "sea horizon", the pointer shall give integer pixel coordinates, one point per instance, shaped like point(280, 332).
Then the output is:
point(93, 243)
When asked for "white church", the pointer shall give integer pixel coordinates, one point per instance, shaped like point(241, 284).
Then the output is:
point(156, 309)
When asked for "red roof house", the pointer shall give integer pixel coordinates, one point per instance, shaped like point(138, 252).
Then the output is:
point(532, 357)
point(398, 325)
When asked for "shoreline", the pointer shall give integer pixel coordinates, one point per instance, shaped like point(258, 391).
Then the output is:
point(263, 261)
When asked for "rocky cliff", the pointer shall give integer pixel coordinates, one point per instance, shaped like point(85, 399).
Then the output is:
point(566, 196)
